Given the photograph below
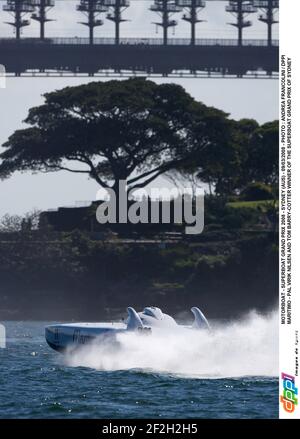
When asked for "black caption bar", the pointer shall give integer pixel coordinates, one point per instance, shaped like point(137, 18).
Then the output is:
point(126, 428)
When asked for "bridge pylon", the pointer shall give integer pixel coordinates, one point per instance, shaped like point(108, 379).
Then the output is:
point(42, 7)
point(166, 8)
point(117, 7)
point(269, 9)
point(18, 9)
point(241, 9)
point(192, 8)
point(92, 9)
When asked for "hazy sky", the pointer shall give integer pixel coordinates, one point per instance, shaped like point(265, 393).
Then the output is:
point(240, 97)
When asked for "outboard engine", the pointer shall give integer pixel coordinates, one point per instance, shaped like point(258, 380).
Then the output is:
point(155, 318)
point(134, 322)
point(200, 321)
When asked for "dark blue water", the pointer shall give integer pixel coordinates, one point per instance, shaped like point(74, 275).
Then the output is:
point(35, 383)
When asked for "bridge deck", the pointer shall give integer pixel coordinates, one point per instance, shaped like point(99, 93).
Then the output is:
point(76, 56)
point(142, 41)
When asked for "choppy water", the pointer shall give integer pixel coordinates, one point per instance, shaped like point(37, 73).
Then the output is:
point(230, 374)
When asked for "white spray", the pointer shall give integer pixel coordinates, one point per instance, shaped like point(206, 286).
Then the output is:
point(248, 347)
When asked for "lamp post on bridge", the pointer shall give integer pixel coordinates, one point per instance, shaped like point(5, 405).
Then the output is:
point(269, 8)
point(166, 8)
point(117, 7)
point(193, 7)
point(240, 9)
point(42, 6)
point(18, 8)
point(92, 9)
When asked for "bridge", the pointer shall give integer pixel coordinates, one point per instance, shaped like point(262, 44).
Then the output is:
point(118, 56)
point(75, 56)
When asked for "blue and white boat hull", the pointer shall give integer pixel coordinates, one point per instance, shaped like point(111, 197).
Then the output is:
point(65, 336)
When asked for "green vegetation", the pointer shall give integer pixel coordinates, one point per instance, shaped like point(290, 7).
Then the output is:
point(258, 205)
point(74, 277)
point(136, 130)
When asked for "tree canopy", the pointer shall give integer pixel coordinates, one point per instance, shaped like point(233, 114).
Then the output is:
point(133, 130)
point(262, 163)
point(249, 154)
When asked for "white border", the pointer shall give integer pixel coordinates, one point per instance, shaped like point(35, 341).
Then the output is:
point(289, 46)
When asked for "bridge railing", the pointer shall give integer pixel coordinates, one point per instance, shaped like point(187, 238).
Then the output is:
point(139, 41)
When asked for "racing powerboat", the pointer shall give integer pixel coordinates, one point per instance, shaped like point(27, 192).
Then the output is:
point(71, 335)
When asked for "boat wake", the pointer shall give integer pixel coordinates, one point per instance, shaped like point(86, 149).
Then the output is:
point(247, 347)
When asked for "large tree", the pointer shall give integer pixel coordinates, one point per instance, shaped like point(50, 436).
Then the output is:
point(248, 153)
point(221, 165)
point(134, 130)
point(262, 162)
